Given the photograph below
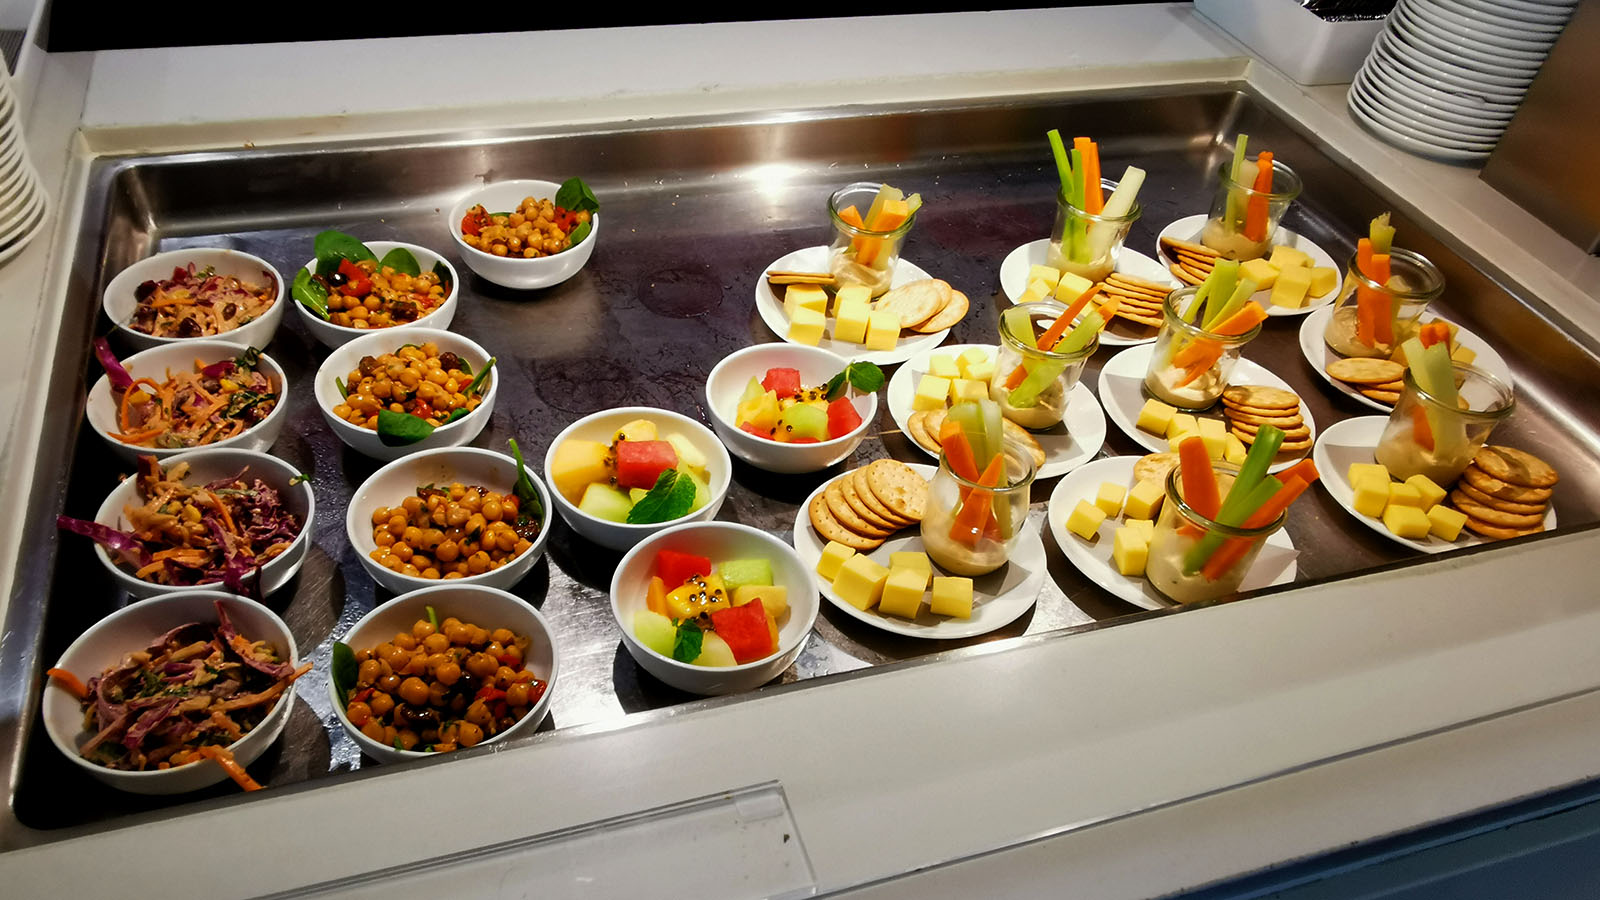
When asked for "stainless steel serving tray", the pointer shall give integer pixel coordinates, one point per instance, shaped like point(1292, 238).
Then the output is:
point(694, 211)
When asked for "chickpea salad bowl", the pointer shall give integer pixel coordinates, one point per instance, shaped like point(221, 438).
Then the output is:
point(526, 234)
point(352, 288)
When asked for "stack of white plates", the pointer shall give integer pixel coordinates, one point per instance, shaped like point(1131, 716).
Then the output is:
point(23, 205)
point(1445, 76)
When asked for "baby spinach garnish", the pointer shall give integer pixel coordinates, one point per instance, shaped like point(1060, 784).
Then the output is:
point(401, 260)
point(671, 498)
point(686, 643)
point(343, 391)
point(249, 359)
point(311, 293)
point(443, 271)
point(578, 233)
point(344, 668)
point(331, 246)
point(477, 380)
point(400, 429)
point(863, 376)
point(529, 509)
point(243, 401)
point(397, 745)
point(297, 479)
point(576, 196)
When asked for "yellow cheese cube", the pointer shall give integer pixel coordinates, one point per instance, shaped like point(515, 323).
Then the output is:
point(1129, 550)
point(850, 323)
point(1431, 493)
point(1371, 496)
point(883, 330)
point(902, 593)
point(1182, 423)
point(1286, 257)
point(1234, 451)
point(1048, 274)
point(970, 357)
point(1445, 523)
point(1405, 494)
point(911, 559)
point(943, 365)
point(1407, 522)
point(968, 389)
point(1085, 520)
point(1323, 280)
point(981, 371)
point(1359, 471)
point(1145, 499)
point(1156, 417)
point(1109, 498)
point(1037, 290)
point(1176, 441)
point(833, 556)
point(1215, 434)
point(1071, 286)
point(860, 582)
point(1261, 271)
point(806, 326)
point(1463, 355)
point(1293, 287)
point(931, 391)
point(851, 293)
point(804, 296)
point(1145, 527)
point(952, 596)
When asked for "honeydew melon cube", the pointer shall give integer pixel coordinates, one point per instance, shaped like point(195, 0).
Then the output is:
point(702, 488)
point(833, 556)
point(1085, 520)
point(952, 596)
point(806, 327)
point(688, 453)
point(1144, 500)
point(737, 573)
point(902, 593)
point(714, 651)
point(1407, 522)
point(803, 420)
point(883, 330)
point(636, 494)
point(1156, 417)
point(943, 365)
point(1445, 523)
point(605, 502)
point(654, 631)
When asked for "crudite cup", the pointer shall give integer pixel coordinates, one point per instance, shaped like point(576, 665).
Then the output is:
point(1243, 219)
point(1190, 366)
point(860, 255)
point(970, 529)
point(1371, 319)
point(1039, 399)
point(1086, 243)
point(1439, 440)
point(1195, 558)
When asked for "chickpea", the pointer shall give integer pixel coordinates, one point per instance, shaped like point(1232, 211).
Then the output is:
point(491, 508)
point(469, 735)
point(388, 683)
point(414, 691)
point(405, 641)
point(367, 673)
point(517, 695)
point(478, 563)
point(447, 551)
point(408, 739)
point(423, 630)
point(435, 642)
point(502, 635)
point(381, 704)
point(359, 713)
point(478, 713)
point(512, 655)
point(482, 665)
point(448, 674)
point(380, 515)
point(373, 730)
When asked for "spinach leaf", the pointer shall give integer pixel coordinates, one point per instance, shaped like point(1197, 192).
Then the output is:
point(399, 429)
point(576, 196)
point(343, 669)
point(311, 293)
point(401, 260)
point(443, 271)
point(476, 384)
point(686, 643)
point(332, 246)
point(528, 505)
point(863, 376)
point(580, 232)
point(671, 498)
point(296, 479)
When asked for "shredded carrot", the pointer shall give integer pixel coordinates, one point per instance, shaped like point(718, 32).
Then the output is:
point(68, 682)
point(127, 398)
point(223, 758)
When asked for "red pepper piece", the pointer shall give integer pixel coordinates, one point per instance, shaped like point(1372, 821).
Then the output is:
point(358, 283)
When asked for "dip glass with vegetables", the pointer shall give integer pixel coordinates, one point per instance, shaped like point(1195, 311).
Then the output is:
point(1180, 535)
point(1437, 433)
point(1190, 364)
point(1401, 297)
point(978, 500)
point(1088, 243)
point(1039, 400)
point(1250, 200)
point(870, 223)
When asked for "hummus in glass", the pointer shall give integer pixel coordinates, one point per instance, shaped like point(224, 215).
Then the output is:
point(1052, 404)
point(847, 271)
point(1400, 453)
point(953, 556)
point(1095, 270)
point(1198, 394)
point(1232, 244)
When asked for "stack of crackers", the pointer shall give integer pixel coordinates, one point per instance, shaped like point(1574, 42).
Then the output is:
point(864, 506)
point(925, 306)
point(1375, 379)
point(1505, 492)
point(1248, 407)
point(924, 426)
point(1194, 261)
point(1140, 300)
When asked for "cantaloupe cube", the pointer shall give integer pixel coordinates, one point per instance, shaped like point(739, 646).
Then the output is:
point(883, 330)
point(1358, 471)
point(804, 296)
point(1037, 290)
point(1445, 523)
point(1129, 551)
point(931, 392)
point(1405, 494)
point(943, 365)
point(1407, 522)
point(911, 559)
point(1285, 257)
point(1071, 286)
point(1085, 520)
point(1109, 498)
point(1430, 493)
point(1261, 271)
point(774, 597)
point(1293, 287)
point(1323, 280)
point(1182, 423)
point(860, 582)
point(806, 326)
point(1145, 527)
point(1047, 274)
point(952, 596)
point(1215, 434)
point(1145, 499)
point(1371, 496)
point(1234, 451)
point(902, 593)
point(1156, 417)
point(833, 556)
point(970, 357)
point(850, 322)
point(968, 389)
point(576, 465)
point(851, 293)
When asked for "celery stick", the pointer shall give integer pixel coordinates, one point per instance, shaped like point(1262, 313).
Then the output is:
point(1239, 144)
point(1199, 298)
point(1078, 228)
point(1235, 205)
point(1063, 166)
point(1202, 551)
point(1119, 204)
point(1081, 333)
point(1256, 462)
point(994, 434)
point(1433, 373)
point(1241, 293)
point(967, 415)
point(1040, 375)
point(1226, 272)
point(1381, 234)
point(1020, 326)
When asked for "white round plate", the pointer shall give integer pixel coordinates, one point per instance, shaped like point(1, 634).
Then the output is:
point(1320, 356)
point(1543, 17)
point(1389, 76)
point(1491, 48)
point(1432, 135)
point(1505, 95)
point(1122, 395)
point(1121, 332)
point(1427, 57)
point(1456, 109)
point(1188, 229)
point(815, 259)
point(1411, 144)
point(1424, 119)
point(997, 598)
point(1352, 441)
point(1275, 564)
point(1467, 27)
point(1066, 446)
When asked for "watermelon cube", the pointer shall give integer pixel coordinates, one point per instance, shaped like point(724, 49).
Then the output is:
point(640, 463)
point(746, 631)
point(842, 418)
point(675, 568)
point(783, 382)
point(756, 430)
point(803, 420)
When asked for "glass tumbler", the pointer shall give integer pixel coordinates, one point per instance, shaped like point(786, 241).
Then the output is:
point(1195, 558)
point(1243, 219)
point(1086, 243)
point(1037, 398)
point(1427, 437)
point(1190, 366)
point(1371, 319)
point(969, 529)
point(860, 255)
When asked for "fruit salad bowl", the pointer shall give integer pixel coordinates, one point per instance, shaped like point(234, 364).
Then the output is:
point(734, 406)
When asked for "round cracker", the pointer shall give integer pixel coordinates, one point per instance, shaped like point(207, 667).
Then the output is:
point(1526, 509)
point(1147, 321)
point(915, 301)
point(1365, 370)
point(1285, 422)
point(1153, 287)
point(858, 477)
point(1183, 275)
point(919, 432)
point(1495, 532)
point(933, 423)
point(830, 529)
point(1025, 439)
point(1155, 467)
point(1396, 386)
point(1516, 466)
point(1389, 397)
point(899, 487)
point(953, 312)
point(1137, 295)
point(1503, 490)
point(1260, 396)
point(1490, 515)
point(852, 499)
point(834, 497)
point(1229, 408)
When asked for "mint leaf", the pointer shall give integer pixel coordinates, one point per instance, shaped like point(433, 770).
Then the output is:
point(401, 260)
point(863, 376)
point(311, 293)
point(399, 429)
point(671, 498)
point(528, 505)
point(836, 386)
point(576, 196)
point(344, 668)
point(478, 379)
point(686, 644)
point(331, 246)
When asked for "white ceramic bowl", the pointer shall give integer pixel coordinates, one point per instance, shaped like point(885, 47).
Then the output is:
point(375, 343)
point(727, 381)
point(119, 303)
point(101, 409)
point(332, 335)
point(719, 541)
point(519, 274)
point(400, 479)
point(132, 628)
point(600, 427)
point(484, 606)
point(207, 465)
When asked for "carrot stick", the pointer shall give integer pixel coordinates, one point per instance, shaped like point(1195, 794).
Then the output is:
point(958, 450)
point(230, 765)
point(1199, 481)
point(1305, 469)
point(1434, 332)
point(972, 520)
point(1366, 298)
point(1053, 334)
point(1421, 431)
point(1094, 198)
point(1382, 304)
point(1249, 316)
point(1255, 213)
point(68, 682)
point(1235, 549)
point(852, 216)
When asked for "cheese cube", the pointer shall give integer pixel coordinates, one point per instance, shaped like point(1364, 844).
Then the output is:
point(850, 322)
point(1445, 523)
point(804, 296)
point(1371, 496)
point(1234, 451)
point(1037, 290)
point(1145, 527)
point(911, 559)
point(981, 371)
point(806, 326)
point(952, 596)
point(1407, 522)
point(943, 365)
point(971, 357)
point(1215, 434)
point(1176, 441)
point(1085, 520)
point(1359, 471)
point(1286, 257)
point(1109, 498)
point(1048, 274)
point(968, 389)
point(1129, 550)
point(851, 293)
point(1323, 280)
point(883, 330)
point(931, 391)
point(1182, 423)
point(1071, 286)
point(1405, 494)
point(860, 582)
point(1462, 355)
point(1262, 272)
point(1145, 499)
point(902, 593)
point(1431, 493)
point(1156, 417)
point(833, 556)
point(1293, 287)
